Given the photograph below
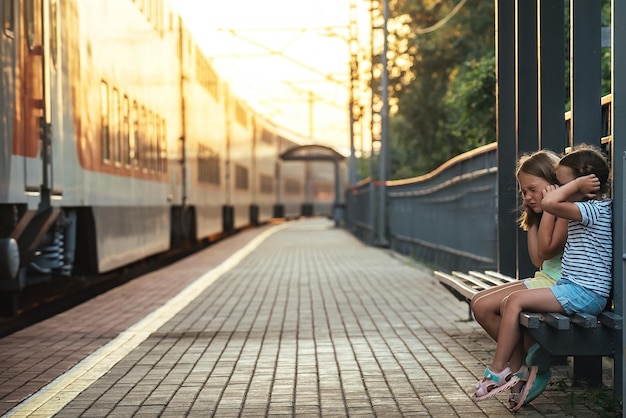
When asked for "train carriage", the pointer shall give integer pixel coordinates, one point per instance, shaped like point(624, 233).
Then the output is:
point(240, 136)
point(125, 68)
point(119, 142)
point(266, 163)
point(200, 177)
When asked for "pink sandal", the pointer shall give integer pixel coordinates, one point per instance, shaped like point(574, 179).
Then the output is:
point(527, 376)
point(494, 383)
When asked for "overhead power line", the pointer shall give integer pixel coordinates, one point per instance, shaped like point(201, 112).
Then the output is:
point(281, 54)
point(442, 22)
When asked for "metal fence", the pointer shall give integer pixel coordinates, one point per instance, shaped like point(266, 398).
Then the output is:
point(446, 219)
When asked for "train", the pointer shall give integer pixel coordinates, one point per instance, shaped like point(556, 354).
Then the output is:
point(120, 141)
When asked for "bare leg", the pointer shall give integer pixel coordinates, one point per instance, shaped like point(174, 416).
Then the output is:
point(486, 306)
point(510, 335)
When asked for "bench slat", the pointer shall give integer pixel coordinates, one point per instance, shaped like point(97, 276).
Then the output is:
point(500, 276)
point(556, 320)
point(611, 320)
point(530, 320)
point(489, 279)
point(479, 284)
point(584, 320)
point(456, 284)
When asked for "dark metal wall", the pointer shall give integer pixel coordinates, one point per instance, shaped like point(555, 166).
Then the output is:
point(618, 129)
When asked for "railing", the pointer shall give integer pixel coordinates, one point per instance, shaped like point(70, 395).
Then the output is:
point(448, 218)
point(359, 213)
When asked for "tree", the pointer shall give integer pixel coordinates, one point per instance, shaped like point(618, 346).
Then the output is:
point(440, 57)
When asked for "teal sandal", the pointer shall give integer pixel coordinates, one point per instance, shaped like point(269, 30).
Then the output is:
point(532, 389)
point(538, 356)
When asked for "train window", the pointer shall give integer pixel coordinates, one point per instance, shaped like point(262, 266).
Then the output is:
point(158, 164)
point(205, 75)
point(115, 126)
point(143, 149)
point(214, 169)
point(158, 16)
point(204, 153)
point(30, 23)
point(163, 139)
point(267, 136)
point(267, 184)
point(151, 136)
point(8, 17)
point(241, 177)
point(292, 186)
point(323, 191)
point(148, 11)
point(241, 116)
point(159, 144)
point(147, 140)
point(134, 143)
point(126, 131)
point(202, 157)
point(105, 138)
point(53, 31)
point(208, 165)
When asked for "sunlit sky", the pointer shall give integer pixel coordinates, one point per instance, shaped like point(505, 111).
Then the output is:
point(278, 56)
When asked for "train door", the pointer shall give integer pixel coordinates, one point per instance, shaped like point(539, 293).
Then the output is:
point(32, 129)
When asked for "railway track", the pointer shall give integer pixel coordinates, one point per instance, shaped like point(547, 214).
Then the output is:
point(48, 298)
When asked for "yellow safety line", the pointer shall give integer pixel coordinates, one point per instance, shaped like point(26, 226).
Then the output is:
point(54, 396)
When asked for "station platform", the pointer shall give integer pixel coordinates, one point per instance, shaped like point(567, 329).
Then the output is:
point(291, 319)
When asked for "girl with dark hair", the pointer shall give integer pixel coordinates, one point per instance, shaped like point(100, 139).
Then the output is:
point(585, 283)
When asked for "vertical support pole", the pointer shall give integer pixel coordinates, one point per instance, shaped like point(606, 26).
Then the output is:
point(183, 112)
point(46, 121)
point(505, 134)
point(384, 139)
point(527, 106)
point(618, 130)
point(552, 132)
point(353, 44)
point(338, 214)
point(372, 190)
point(585, 74)
point(586, 97)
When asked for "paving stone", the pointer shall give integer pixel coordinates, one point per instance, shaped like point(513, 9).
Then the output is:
point(311, 323)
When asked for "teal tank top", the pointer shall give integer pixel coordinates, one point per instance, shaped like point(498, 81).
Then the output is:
point(552, 266)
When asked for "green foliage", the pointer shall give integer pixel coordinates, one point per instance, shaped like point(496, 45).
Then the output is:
point(442, 80)
point(448, 106)
point(470, 103)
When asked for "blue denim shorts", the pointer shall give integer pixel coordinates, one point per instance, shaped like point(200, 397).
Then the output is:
point(576, 298)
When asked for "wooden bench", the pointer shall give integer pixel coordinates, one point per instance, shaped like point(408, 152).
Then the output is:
point(465, 285)
point(585, 337)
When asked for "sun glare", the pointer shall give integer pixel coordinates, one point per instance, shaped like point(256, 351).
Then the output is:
point(289, 60)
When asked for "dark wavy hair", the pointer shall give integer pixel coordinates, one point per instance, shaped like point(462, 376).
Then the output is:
point(587, 159)
point(540, 164)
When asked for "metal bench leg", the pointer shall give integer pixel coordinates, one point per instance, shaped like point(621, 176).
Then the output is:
point(588, 369)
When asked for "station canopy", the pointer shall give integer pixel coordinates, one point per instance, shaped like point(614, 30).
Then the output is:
point(311, 153)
